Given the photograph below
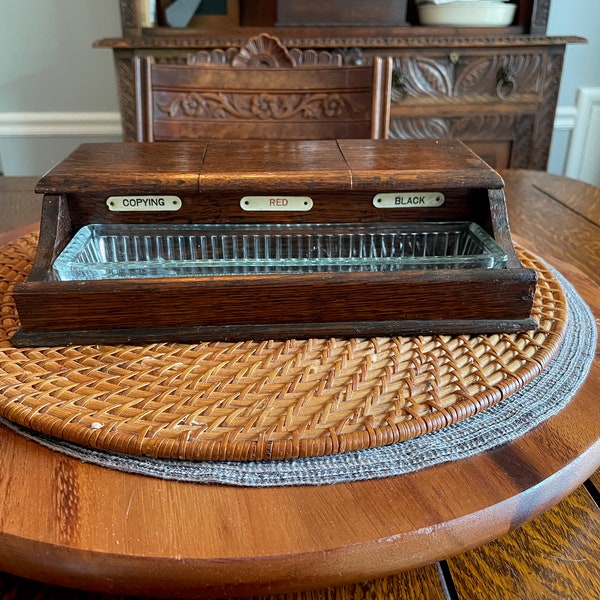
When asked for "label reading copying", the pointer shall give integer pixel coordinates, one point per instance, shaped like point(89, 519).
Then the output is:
point(143, 203)
point(408, 199)
point(276, 203)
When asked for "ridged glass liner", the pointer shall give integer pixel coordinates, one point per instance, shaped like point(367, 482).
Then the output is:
point(120, 251)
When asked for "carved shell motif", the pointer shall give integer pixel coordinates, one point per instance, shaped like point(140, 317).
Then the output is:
point(263, 51)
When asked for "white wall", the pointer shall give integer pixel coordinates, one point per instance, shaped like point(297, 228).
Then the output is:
point(56, 91)
point(572, 142)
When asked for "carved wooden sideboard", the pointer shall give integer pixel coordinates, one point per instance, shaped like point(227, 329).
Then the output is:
point(494, 88)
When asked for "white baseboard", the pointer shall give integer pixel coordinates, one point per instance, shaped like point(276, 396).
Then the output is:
point(28, 125)
point(73, 124)
point(565, 118)
point(583, 157)
point(59, 124)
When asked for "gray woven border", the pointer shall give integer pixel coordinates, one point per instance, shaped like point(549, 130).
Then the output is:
point(545, 396)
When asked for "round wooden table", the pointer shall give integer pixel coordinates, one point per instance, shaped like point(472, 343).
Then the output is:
point(76, 524)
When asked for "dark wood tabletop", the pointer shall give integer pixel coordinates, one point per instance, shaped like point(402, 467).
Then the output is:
point(528, 530)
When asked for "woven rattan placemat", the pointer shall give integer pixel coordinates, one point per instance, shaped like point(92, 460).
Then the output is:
point(263, 400)
point(535, 402)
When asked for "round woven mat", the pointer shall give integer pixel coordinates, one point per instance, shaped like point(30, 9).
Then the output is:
point(263, 400)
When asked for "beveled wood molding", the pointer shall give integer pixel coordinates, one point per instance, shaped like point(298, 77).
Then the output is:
point(390, 38)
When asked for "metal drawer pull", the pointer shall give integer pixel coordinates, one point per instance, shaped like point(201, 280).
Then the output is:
point(507, 83)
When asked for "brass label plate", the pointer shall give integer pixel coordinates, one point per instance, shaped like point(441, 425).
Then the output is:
point(276, 203)
point(141, 203)
point(409, 200)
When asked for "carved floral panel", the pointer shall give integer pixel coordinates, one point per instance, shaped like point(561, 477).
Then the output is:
point(262, 106)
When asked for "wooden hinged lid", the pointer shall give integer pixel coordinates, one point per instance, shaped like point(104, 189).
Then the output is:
point(416, 163)
point(324, 165)
point(272, 164)
point(144, 168)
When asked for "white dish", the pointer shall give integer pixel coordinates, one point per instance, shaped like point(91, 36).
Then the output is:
point(467, 14)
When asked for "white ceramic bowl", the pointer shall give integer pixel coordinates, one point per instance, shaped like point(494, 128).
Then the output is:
point(468, 14)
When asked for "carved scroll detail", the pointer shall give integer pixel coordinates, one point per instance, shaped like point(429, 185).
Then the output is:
point(264, 106)
point(475, 128)
point(267, 52)
point(263, 51)
point(482, 75)
point(315, 57)
point(483, 127)
point(216, 56)
point(420, 128)
point(473, 77)
point(418, 76)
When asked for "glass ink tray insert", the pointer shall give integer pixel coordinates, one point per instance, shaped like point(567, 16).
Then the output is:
point(120, 251)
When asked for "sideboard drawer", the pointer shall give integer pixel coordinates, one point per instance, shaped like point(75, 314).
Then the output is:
point(467, 77)
point(502, 140)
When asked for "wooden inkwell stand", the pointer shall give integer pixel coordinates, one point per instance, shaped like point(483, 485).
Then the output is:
point(230, 240)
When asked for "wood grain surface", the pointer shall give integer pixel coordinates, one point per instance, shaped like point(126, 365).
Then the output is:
point(553, 557)
point(269, 165)
point(426, 583)
point(97, 529)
